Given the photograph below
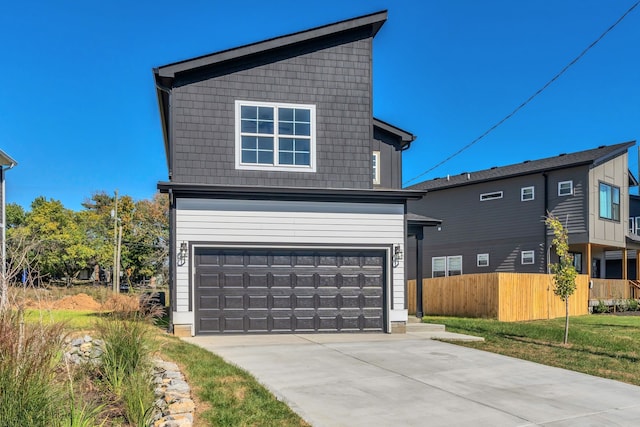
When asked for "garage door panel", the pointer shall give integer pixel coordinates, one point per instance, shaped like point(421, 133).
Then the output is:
point(209, 280)
point(232, 323)
point(257, 280)
point(231, 280)
point(210, 302)
point(262, 290)
point(304, 281)
point(254, 302)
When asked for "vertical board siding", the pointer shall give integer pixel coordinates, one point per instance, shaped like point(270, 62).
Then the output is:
point(265, 223)
point(508, 297)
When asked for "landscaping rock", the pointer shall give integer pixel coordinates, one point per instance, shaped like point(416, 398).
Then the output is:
point(174, 406)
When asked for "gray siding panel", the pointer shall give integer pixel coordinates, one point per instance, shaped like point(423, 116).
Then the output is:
point(571, 210)
point(390, 160)
point(334, 75)
point(501, 227)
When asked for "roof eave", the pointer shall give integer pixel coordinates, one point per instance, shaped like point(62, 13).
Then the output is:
point(6, 160)
point(289, 193)
point(406, 138)
point(374, 20)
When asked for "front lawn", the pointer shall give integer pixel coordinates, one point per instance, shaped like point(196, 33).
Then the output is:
point(224, 394)
point(602, 345)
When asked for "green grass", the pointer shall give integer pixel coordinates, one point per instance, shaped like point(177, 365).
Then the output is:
point(73, 319)
point(227, 395)
point(601, 345)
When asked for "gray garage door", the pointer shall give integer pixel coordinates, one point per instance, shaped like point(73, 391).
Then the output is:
point(262, 290)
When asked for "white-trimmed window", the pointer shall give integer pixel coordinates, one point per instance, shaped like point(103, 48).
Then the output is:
point(527, 193)
point(275, 136)
point(446, 266)
point(483, 260)
point(491, 196)
point(375, 162)
point(565, 188)
point(609, 201)
point(439, 266)
point(527, 257)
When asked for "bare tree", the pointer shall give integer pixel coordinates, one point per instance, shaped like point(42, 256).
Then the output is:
point(21, 267)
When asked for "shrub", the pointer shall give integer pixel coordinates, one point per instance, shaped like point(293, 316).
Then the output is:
point(601, 307)
point(621, 305)
point(29, 394)
point(633, 304)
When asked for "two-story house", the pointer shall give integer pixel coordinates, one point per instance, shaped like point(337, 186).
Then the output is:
point(493, 220)
point(286, 207)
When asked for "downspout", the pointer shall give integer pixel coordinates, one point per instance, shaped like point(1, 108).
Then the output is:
point(172, 259)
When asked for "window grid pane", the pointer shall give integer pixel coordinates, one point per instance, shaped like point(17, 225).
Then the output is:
point(275, 135)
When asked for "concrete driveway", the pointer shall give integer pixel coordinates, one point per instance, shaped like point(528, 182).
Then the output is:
point(411, 380)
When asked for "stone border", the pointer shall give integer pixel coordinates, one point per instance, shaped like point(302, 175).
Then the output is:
point(173, 406)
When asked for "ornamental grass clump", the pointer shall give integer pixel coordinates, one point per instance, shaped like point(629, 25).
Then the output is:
point(126, 363)
point(29, 353)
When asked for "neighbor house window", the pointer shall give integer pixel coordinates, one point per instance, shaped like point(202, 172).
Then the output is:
point(439, 266)
point(527, 257)
point(491, 196)
point(271, 136)
point(609, 202)
point(577, 261)
point(483, 260)
point(527, 193)
point(565, 188)
point(375, 162)
point(446, 266)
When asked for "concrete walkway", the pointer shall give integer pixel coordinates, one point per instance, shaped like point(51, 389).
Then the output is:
point(412, 380)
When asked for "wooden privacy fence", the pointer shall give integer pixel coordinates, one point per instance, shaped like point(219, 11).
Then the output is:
point(507, 297)
point(606, 289)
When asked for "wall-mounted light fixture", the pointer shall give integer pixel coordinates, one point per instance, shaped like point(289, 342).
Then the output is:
point(182, 253)
point(397, 254)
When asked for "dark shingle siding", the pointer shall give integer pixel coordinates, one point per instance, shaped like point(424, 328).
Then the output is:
point(335, 78)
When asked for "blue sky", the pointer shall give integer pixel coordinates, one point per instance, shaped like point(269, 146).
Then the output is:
point(78, 109)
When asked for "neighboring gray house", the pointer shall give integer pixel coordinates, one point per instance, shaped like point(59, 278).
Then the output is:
point(493, 220)
point(6, 162)
point(287, 213)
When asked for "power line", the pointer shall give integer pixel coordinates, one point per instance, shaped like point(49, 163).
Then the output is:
point(538, 92)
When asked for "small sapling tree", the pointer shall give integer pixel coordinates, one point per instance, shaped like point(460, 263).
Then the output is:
point(564, 271)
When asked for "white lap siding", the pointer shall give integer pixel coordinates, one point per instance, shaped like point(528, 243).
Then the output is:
point(287, 224)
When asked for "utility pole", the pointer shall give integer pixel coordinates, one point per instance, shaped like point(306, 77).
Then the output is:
point(119, 254)
point(114, 270)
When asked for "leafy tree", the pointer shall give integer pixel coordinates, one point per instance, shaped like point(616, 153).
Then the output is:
point(52, 241)
point(64, 245)
point(15, 214)
point(148, 243)
point(564, 270)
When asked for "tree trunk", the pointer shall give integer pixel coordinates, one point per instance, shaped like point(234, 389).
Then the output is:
point(566, 321)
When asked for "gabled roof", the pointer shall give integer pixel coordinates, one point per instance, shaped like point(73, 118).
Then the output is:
point(405, 137)
point(6, 160)
point(593, 157)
